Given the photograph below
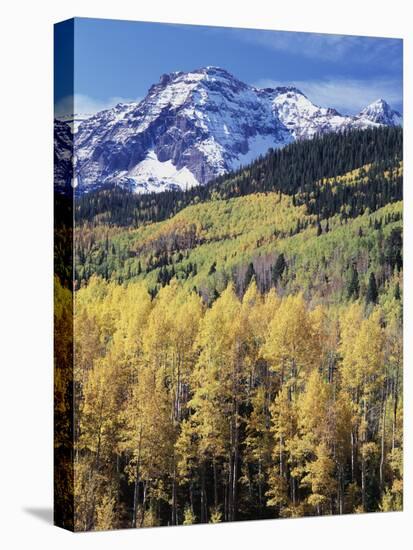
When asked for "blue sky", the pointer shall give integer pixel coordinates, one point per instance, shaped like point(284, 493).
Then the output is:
point(119, 60)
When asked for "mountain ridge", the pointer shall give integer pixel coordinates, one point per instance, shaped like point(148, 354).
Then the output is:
point(193, 127)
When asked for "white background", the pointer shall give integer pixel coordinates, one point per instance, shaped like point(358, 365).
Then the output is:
point(26, 267)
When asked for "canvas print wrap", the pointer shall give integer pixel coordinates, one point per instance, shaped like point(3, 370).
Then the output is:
point(228, 274)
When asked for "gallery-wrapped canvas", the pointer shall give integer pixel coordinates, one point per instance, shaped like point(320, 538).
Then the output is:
point(228, 274)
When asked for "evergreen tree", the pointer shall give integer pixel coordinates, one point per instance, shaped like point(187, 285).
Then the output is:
point(213, 268)
point(250, 273)
point(393, 248)
point(397, 293)
point(278, 268)
point(372, 292)
point(353, 288)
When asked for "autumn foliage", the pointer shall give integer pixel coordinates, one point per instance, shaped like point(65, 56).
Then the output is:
point(234, 351)
point(264, 406)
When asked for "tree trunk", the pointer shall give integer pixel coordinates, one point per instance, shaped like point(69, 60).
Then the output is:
point(135, 502)
point(395, 399)
point(383, 435)
point(204, 515)
point(363, 483)
point(281, 456)
point(191, 497)
point(214, 464)
point(174, 498)
point(226, 512)
point(143, 504)
point(230, 493)
point(363, 459)
point(136, 489)
point(235, 466)
point(352, 456)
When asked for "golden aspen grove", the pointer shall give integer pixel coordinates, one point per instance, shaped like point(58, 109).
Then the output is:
point(237, 347)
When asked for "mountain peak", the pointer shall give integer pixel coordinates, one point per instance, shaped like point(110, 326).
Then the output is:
point(209, 76)
point(380, 102)
point(208, 70)
point(378, 105)
point(289, 89)
point(380, 112)
point(212, 74)
point(279, 90)
point(214, 69)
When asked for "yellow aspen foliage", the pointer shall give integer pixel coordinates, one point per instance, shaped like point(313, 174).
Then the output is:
point(326, 336)
point(369, 354)
point(392, 499)
point(258, 430)
point(186, 450)
point(216, 375)
point(148, 427)
point(283, 428)
point(290, 347)
point(98, 411)
point(97, 441)
point(249, 404)
point(215, 515)
point(189, 516)
point(251, 325)
point(314, 411)
point(320, 479)
point(350, 324)
point(284, 423)
point(105, 514)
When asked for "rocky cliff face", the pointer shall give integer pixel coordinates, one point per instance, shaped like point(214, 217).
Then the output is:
point(63, 155)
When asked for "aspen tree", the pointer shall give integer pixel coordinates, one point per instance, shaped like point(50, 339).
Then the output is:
point(290, 347)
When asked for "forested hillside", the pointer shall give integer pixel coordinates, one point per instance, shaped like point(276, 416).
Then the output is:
point(238, 347)
point(295, 168)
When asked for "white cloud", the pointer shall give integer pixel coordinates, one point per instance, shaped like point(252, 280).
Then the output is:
point(327, 47)
point(84, 104)
point(346, 95)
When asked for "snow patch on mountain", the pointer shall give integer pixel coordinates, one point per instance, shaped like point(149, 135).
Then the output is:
point(214, 154)
point(151, 175)
point(257, 145)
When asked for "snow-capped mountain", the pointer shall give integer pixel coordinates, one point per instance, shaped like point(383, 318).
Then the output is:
point(380, 112)
point(304, 119)
point(189, 128)
point(192, 127)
